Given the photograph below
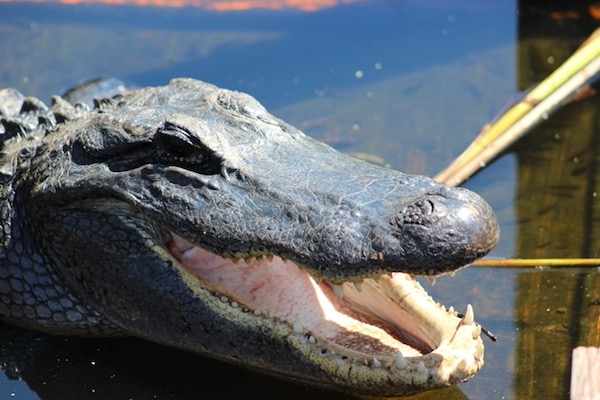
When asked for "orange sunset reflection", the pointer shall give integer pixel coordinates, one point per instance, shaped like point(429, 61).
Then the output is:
point(214, 5)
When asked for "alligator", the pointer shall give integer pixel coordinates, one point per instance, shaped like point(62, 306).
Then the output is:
point(189, 216)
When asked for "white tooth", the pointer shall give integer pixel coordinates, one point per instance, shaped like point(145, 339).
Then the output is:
point(401, 362)
point(376, 363)
point(224, 173)
point(234, 304)
point(421, 367)
point(476, 332)
point(339, 290)
point(312, 340)
point(431, 280)
point(358, 286)
point(451, 310)
point(469, 317)
point(452, 273)
point(257, 312)
point(297, 327)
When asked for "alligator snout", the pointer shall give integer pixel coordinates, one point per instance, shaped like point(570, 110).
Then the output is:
point(445, 230)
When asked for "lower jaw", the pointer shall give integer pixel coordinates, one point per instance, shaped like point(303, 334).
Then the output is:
point(282, 290)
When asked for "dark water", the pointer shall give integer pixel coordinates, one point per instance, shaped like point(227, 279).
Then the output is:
point(404, 83)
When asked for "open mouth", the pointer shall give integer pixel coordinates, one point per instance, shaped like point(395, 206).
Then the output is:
point(387, 323)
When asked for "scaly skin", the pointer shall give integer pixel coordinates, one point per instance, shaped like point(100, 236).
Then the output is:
point(190, 216)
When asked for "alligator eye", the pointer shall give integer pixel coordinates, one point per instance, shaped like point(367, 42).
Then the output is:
point(176, 145)
point(176, 141)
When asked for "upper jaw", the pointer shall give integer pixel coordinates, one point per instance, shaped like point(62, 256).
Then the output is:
point(343, 237)
point(420, 345)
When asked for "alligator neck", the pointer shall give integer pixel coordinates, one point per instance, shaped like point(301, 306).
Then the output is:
point(32, 291)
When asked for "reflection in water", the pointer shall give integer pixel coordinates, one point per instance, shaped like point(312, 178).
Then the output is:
point(218, 5)
point(74, 51)
point(557, 208)
point(58, 368)
point(427, 85)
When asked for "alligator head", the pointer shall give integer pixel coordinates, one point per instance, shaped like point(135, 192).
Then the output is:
point(190, 216)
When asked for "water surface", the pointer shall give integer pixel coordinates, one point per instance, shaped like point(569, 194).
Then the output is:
point(404, 83)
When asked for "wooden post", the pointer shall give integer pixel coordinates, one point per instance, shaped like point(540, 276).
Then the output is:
point(585, 373)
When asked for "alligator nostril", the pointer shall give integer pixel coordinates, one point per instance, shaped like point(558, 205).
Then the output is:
point(426, 206)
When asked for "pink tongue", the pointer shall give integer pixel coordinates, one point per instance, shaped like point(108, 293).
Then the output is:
point(275, 286)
